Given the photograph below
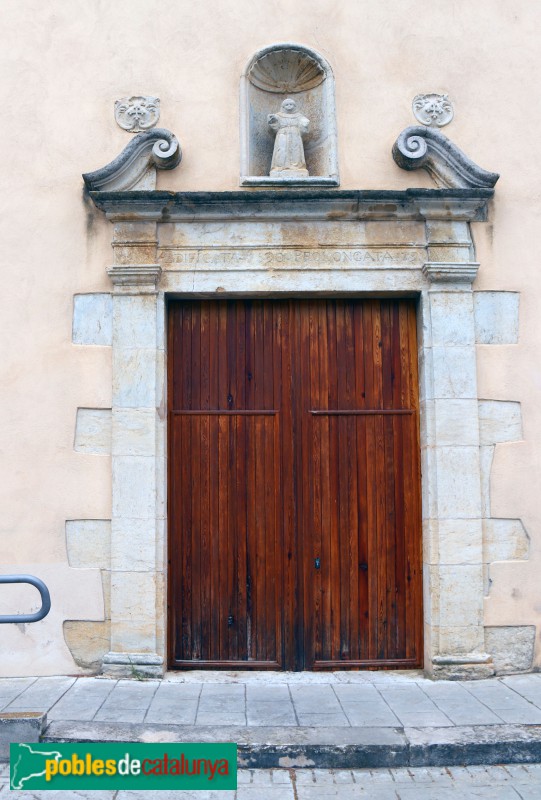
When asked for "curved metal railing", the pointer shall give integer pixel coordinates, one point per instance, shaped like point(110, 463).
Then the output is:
point(45, 599)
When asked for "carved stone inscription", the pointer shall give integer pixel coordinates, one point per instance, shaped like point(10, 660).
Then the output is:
point(292, 258)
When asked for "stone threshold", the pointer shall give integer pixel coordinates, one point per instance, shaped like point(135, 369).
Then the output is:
point(267, 677)
point(332, 747)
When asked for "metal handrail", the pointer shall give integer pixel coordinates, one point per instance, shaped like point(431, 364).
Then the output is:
point(45, 599)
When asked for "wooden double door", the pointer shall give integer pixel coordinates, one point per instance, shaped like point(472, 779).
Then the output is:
point(294, 485)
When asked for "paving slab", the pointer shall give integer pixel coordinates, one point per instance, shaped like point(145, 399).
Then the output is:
point(11, 688)
point(83, 698)
point(41, 695)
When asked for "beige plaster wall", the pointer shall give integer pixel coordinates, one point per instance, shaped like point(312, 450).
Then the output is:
point(62, 65)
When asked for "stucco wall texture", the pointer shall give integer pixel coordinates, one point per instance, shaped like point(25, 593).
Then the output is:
point(62, 66)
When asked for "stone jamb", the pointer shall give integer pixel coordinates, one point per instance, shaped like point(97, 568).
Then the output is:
point(451, 502)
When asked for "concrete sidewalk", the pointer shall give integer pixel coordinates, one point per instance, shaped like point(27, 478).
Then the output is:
point(338, 720)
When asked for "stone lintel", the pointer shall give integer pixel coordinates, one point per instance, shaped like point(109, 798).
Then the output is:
point(296, 204)
point(450, 272)
point(143, 277)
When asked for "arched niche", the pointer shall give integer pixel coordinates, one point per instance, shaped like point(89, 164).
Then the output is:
point(272, 74)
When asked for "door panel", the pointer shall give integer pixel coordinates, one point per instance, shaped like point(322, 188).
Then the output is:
point(294, 487)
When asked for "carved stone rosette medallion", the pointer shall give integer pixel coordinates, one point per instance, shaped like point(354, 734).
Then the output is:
point(433, 109)
point(137, 113)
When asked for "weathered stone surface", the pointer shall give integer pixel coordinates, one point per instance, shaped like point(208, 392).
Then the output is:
point(511, 646)
point(461, 595)
point(134, 321)
point(134, 432)
point(88, 642)
point(133, 545)
point(88, 543)
point(93, 431)
point(132, 369)
point(505, 540)
point(92, 319)
point(24, 726)
point(433, 109)
point(499, 421)
point(302, 205)
point(458, 482)
point(452, 319)
point(455, 541)
point(338, 748)
point(486, 456)
point(137, 113)
point(448, 166)
point(496, 317)
point(135, 167)
point(456, 422)
point(134, 491)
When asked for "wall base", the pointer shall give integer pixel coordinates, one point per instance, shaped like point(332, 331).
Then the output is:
point(133, 665)
point(469, 667)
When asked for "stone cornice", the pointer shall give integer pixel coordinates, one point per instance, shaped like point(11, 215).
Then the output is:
point(295, 205)
point(451, 272)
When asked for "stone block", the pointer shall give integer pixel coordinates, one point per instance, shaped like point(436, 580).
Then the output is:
point(447, 231)
point(131, 636)
point(431, 595)
point(429, 486)
point(134, 378)
point(454, 372)
point(451, 315)
point(133, 545)
point(92, 319)
point(486, 456)
point(134, 432)
point(93, 431)
point(461, 596)
point(21, 726)
point(460, 639)
point(133, 665)
point(88, 642)
point(499, 421)
point(496, 317)
point(505, 540)
point(133, 596)
point(511, 647)
point(454, 541)
point(134, 321)
point(458, 482)
point(456, 422)
point(427, 423)
point(134, 487)
point(88, 543)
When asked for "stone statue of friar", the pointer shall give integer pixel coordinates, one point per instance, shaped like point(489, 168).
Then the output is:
point(288, 155)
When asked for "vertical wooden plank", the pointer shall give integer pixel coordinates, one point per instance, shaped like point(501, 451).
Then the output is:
point(326, 491)
point(342, 585)
point(371, 485)
point(214, 478)
point(387, 489)
point(284, 338)
point(360, 446)
point(314, 623)
point(271, 489)
point(398, 456)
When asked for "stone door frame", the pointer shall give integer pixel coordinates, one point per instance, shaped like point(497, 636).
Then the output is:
point(297, 243)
